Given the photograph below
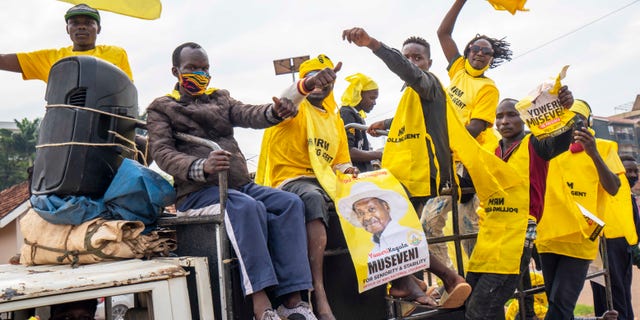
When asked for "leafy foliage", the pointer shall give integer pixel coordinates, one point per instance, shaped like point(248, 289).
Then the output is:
point(17, 151)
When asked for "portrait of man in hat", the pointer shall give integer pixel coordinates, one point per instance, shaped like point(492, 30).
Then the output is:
point(378, 211)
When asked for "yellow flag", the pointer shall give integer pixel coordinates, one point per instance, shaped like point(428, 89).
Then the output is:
point(510, 5)
point(143, 9)
point(489, 173)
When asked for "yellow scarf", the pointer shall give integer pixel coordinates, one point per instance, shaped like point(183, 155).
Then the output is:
point(175, 94)
point(323, 140)
point(473, 71)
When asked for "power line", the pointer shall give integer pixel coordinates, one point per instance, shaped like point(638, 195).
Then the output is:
point(575, 30)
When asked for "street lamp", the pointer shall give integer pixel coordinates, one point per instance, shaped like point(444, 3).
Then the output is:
point(289, 65)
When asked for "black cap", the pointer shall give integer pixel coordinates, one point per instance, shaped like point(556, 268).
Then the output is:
point(82, 10)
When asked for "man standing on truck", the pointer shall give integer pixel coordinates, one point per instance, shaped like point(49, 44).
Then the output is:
point(83, 27)
point(265, 226)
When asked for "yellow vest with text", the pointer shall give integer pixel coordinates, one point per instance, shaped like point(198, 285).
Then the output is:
point(405, 154)
point(309, 144)
point(501, 236)
point(574, 178)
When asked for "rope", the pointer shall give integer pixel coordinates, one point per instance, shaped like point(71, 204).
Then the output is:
point(96, 111)
point(134, 150)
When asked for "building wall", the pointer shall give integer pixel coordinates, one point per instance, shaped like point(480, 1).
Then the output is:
point(625, 134)
point(8, 242)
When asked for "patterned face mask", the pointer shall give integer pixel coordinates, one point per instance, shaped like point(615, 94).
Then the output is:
point(195, 83)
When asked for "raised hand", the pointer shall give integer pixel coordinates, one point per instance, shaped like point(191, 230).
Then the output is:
point(323, 78)
point(284, 107)
point(361, 38)
point(565, 96)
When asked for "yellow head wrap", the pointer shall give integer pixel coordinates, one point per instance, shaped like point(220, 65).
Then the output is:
point(319, 63)
point(581, 107)
point(357, 83)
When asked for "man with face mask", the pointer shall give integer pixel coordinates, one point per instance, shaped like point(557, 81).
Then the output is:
point(301, 155)
point(265, 225)
point(83, 27)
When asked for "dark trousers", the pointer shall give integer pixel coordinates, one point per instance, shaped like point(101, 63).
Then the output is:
point(266, 229)
point(563, 281)
point(620, 271)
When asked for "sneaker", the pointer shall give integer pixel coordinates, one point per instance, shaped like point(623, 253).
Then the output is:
point(299, 312)
point(269, 314)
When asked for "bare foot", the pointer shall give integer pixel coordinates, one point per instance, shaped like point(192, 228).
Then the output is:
point(419, 282)
point(408, 289)
point(452, 280)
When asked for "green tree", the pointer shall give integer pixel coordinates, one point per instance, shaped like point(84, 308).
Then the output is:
point(17, 151)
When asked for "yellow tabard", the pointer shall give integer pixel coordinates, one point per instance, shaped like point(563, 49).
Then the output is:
point(501, 235)
point(405, 153)
point(574, 178)
point(309, 144)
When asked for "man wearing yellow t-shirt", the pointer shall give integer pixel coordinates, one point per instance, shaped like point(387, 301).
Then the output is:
point(475, 97)
point(301, 155)
point(588, 174)
point(83, 26)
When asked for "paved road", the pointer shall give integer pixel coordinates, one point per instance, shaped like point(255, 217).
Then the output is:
point(587, 299)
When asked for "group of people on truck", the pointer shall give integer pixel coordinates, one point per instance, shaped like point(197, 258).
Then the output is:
point(277, 223)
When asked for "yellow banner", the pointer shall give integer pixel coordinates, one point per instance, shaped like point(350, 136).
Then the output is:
point(381, 228)
point(509, 5)
point(143, 9)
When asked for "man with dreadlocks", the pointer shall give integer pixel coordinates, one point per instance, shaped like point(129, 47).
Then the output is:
point(476, 99)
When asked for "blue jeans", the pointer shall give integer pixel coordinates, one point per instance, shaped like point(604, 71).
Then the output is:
point(563, 281)
point(267, 231)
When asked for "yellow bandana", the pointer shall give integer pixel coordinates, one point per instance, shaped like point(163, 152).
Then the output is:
point(582, 108)
point(318, 63)
point(357, 84)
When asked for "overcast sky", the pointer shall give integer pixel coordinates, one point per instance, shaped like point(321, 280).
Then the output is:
point(242, 38)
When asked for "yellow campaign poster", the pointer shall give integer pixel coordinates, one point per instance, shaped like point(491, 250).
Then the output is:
point(381, 228)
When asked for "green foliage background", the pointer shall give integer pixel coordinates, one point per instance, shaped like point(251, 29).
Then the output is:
point(17, 151)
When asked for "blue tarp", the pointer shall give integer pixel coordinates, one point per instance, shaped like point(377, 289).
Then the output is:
point(135, 194)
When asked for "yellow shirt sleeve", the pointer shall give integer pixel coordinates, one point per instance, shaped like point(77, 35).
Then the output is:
point(455, 66)
point(36, 64)
point(486, 104)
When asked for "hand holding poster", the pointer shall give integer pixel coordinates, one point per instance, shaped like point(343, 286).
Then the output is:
point(542, 111)
point(381, 228)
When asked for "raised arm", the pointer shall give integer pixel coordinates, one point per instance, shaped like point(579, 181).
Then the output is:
point(424, 83)
point(445, 31)
point(9, 62)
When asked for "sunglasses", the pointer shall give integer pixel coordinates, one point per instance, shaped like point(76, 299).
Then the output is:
point(485, 50)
